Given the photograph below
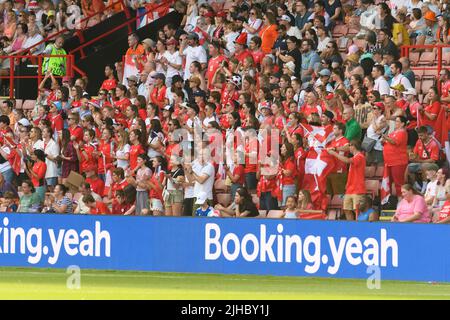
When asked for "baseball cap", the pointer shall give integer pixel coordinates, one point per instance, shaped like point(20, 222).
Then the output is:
point(201, 198)
point(399, 87)
point(410, 91)
point(177, 78)
point(325, 73)
point(379, 105)
point(132, 78)
point(24, 122)
point(285, 17)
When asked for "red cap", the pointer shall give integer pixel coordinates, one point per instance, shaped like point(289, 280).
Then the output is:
point(379, 105)
point(329, 96)
point(221, 14)
point(242, 39)
point(209, 14)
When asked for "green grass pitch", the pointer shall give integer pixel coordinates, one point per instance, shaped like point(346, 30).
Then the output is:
point(22, 283)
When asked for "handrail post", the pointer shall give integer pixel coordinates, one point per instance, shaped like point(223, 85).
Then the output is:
point(39, 79)
point(127, 15)
point(11, 77)
point(439, 66)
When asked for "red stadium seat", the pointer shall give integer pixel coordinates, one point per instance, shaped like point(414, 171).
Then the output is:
point(429, 74)
point(370, 171)
point(220, 185)
point(340, 31)
point(343, 44)
point(275, 214)
point(352, 32)
point(359, 42)
point(418, 73)
point(224, 199)
point(372, 187)
point(379, 172)
point(427, 58)
point(262, 214)
point(19, 103)
point(426, 85)
point(446, 58)
point(414, 58)
point(29, 104)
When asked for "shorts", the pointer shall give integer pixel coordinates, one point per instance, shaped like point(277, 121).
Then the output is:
point(156, 205)
point(351, 200)
point(172, 197)
point(51, 181)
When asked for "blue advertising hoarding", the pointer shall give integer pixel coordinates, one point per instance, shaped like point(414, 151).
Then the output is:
point(408, 251)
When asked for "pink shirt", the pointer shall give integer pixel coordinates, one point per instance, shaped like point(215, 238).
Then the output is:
point(406, 209)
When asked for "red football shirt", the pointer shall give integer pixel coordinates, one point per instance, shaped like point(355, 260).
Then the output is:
point(109, 84)
point(289, 164)
point(427, 151)
point(396, 155)
point(100, 208)
point(445, 211)
point(213, 65)
point(76, 132)
point(339, 142)
point(135, 151)
point(356, 178)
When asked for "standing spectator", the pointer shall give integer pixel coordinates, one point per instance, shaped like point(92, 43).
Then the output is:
point(68, 156)
point(143, 174)
point(381, 85)
point(156, 186)
point(122, 151)
point(37, 172)
point(412, 207)
point(51, 149)
point(202, 173)
point(173, 198)
point(192, 51)
point(355, 188)
point(352, 127)
point(288, 171)
point(377, 127)
point(395, 153)
point(57, 65)
point(93, 9)
point(132, 56)
point(309, 60)
point(429, 114)
point(268, 33)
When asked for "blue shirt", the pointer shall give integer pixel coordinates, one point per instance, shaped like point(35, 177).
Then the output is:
point(200, 213)
point(364, 216)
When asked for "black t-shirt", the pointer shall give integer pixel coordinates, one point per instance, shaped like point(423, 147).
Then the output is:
point(391, 49)
point(331, 9)
point(250, 207)
point(296, 54)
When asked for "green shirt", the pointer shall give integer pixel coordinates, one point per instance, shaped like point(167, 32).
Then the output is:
point(352, 130)
point(28, 203)
point(57, 64)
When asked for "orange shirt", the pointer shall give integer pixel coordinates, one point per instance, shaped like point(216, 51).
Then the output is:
point(139, 51)
point(40, 168)
point(355, 182)
point(269, 35)
point(396, 155)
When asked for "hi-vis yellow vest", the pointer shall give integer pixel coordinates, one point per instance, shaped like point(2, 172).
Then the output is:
point(56, 64)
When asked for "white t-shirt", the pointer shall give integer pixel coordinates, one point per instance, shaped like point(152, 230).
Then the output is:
point(38, 145)
point(431, 190)
point(294, 31)
point(193, 54)
point(382, 86)
point(121, 153)
point(51, 149)
point(200, 170)
point(322, 44)
point(196, 124)
point(173, 58)
point(5, 166)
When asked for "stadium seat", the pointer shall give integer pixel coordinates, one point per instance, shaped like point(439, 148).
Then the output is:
point(340, 31)
point(372, 187)
point(418, 85)
point(220, 185)
point(429, 74)
point(418, 73)
point(29, 104)
point(379, 172)
point(427, 58)
point(275, 214)
point(414, 58)
point(19, 103)
point(352, 32)
point(426, 85)
point(420, 98)
point(262, 214)
point(446, 58)
point(370, 171)
point(335, 206)
point(343, 44)
point(224, 199)
point(332, 214)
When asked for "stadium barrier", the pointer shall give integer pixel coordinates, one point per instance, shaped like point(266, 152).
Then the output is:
point(279, 247)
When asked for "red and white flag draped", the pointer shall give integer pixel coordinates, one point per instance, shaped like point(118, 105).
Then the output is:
point(385, 190)
point(318, 164)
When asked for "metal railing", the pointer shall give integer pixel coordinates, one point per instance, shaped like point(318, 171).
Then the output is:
point(32, 59)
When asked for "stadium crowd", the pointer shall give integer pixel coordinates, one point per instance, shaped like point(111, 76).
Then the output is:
point(263, 104)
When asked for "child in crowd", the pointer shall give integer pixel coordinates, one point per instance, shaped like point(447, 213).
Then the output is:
point(290, 212)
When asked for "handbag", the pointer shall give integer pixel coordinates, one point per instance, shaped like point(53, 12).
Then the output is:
point(368, 144)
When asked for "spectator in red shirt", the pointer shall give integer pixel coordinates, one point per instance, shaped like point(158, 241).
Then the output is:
point(236, 174)
point(76, 132)
point(444, 214)
point(288, 171)
point(158, 91)
point(56, 120)
point(97, 184)
point(355, 188)
point(214, 62)
point(96, 207)
point(395, 153)
point(37, 172)
point(136, 147)
point(256, 52)
point(122, 206)
point(429, 114)
point(110, 82)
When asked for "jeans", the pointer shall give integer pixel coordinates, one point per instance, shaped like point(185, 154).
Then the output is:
point(268, 202)
point(9, 175)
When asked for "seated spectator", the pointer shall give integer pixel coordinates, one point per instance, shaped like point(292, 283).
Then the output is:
point(427, 35)
point(6, 187)
point(444, 214)
point(366, 211)
point(9, 202)
point(81, 207)
point(426, 151)
point(244, 204)
point(58, 202)
point(430, 175)
point(442, 183)
point(412, 207)
point(29, 200)
point(122, 206)
point(304, 200)
point(290, 211)
point(95, 207)
point(205, 210)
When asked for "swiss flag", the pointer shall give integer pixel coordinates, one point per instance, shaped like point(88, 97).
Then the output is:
point(318, 164)
point(385, 190)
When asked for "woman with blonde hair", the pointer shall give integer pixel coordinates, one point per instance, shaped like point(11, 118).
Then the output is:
point(304, 200)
